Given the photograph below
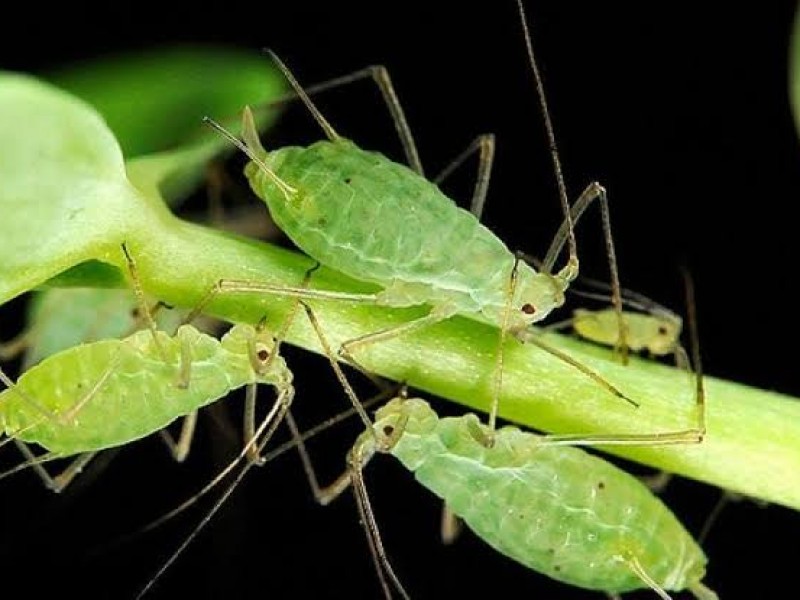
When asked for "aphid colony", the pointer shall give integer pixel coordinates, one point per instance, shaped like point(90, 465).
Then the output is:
point(537, 499)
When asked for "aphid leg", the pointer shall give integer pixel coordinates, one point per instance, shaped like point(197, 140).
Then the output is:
point(692, 435)
point(701, 592)
point(635, 566)
point(136, 283)
point(450, 526)
point(532, 338)
point(571, 215)
point(380, 75)
point(255, 287)
point(594, 191)
point(357, 459)
point(658, 482)
point(180, 449)
point(15, 346)
point(62, 480)
point(484, 145)
point(267, 428)
point(438, 313)
point(348, 389)
point(498, 367)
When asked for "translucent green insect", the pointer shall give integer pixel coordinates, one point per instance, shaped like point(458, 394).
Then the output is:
point(554, 508)
point(536, 499)
point(657, 333)
point(384, 223)
point(107, 393)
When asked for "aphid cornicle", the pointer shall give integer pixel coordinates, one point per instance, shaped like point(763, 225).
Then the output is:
point(554, 508)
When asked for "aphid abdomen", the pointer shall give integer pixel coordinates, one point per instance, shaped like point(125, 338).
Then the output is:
point(378, 221)
point(557, 510)
point(139, 393)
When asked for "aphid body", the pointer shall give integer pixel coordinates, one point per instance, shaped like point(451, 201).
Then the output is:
point(375, 220)
point(658, 333)
point(555, 509)
point(111, 392)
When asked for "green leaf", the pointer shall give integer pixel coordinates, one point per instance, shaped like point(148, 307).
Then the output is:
point(154, 100)
point(64, 193)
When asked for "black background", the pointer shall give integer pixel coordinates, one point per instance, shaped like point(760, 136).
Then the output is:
point(682, 114)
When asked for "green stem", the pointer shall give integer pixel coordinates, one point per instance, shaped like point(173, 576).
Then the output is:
point(753, 441)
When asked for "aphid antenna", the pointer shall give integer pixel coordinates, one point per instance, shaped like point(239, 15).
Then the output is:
point(551, 139)
point(288, 191)
point(330, 132)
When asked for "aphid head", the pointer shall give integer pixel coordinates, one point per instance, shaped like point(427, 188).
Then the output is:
point(256, 345)
point(665, 334)
point(537, 294)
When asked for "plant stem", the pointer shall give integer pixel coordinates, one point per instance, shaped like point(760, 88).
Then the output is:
point(753, 440)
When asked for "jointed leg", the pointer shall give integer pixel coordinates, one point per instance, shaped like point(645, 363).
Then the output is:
point(593, 192)
point(63, 479)
point(484, 145)
point(180, 449)
point(15, 346)
point(380, 76)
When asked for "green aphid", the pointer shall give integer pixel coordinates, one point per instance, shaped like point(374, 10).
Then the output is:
point(554, 508)
point(108, 393)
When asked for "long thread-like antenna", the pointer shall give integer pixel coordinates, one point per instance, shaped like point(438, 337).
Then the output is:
point(551, 139)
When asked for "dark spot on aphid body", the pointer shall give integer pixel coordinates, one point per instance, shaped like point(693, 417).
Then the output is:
point(556, 568)
point(348, 180)
point(601, 485)
point(322, 222)
point(528, 308)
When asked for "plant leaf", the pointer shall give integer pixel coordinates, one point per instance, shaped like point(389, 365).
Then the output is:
point(155, 100)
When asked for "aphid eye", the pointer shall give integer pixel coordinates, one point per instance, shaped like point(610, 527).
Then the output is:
point(263, 354)
point(662, 330)
point(601, 485)
point(528, 308)
point(347, 180)
point(135, 312)
point(388, 430)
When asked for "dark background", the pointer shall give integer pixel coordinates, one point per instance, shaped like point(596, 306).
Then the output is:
point(682, 114)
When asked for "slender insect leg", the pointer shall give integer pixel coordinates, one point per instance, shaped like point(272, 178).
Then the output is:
point(62, 480)
point(450, 525)
point(180, 449)
point(635, 566)
point(15, 346)
point(693, 435)
point(532, 338)
point(380, 75)
point(594, 191)
point(136, 283)
point(357, 460)
point(658, 482)
point(434, 316)
point(484, 145)
point(240, 286)
point(270, 423)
